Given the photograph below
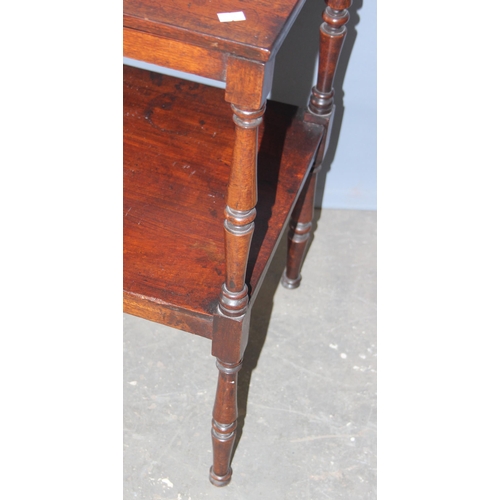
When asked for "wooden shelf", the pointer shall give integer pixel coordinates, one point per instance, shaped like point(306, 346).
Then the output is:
point(192, 156)
point(196, 23)
point(178, 143)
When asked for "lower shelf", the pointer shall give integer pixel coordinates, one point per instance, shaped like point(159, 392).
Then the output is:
point(178, 142)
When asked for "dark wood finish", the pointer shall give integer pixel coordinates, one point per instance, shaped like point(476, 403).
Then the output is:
point(211, 176)
point(196, 23)
point(320, 110)
point(224, 422)
point(248, 82)
point(178, 151)
point(174, 54)
point(332, 35)
point(298, 236)
point(240, 211)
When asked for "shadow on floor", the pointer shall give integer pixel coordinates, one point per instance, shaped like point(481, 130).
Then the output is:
point(259, 323)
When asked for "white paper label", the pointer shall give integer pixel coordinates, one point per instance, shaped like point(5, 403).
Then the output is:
point(227, 17)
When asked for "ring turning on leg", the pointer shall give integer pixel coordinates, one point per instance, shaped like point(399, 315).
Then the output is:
point(224, 422)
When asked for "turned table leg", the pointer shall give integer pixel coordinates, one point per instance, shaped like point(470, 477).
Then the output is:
point(231, 320)
point(224, 423)
point(300, 231)
point(320, 110)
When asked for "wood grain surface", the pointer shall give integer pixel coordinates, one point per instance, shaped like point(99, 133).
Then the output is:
point(196, 22)
point(178, 146)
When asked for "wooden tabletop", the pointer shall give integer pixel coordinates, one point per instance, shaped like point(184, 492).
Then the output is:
point(196, 22)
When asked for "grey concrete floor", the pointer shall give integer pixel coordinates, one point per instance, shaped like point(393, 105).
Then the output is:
point(307, 391)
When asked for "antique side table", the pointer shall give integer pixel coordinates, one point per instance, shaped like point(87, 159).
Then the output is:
point(213, 177)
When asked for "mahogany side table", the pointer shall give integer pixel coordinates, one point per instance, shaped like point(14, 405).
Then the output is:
point(212, 177)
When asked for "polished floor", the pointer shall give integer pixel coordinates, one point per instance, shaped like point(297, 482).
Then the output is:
point(307, 391)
